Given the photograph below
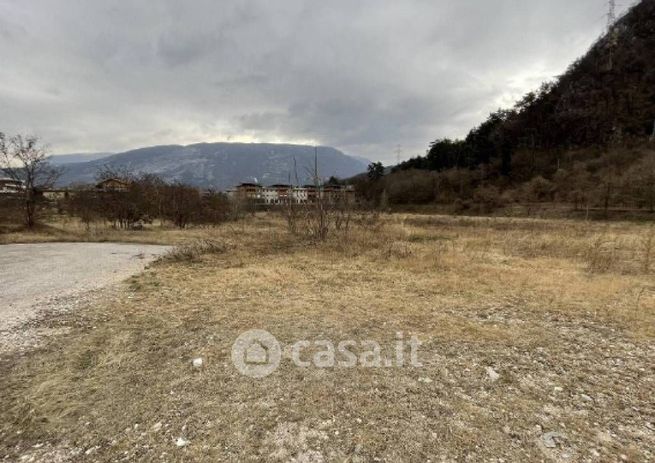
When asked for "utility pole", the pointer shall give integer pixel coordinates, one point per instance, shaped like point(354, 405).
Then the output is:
point(316, 181)
point(399, 151)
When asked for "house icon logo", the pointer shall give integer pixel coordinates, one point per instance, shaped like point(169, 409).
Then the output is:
point(256, 353)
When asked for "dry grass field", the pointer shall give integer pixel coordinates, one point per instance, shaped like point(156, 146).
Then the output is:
point(65, 229)
point(537, 345)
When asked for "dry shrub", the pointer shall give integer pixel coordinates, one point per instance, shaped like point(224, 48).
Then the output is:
point(601, 255)
point(440, 250)
point(11, 213)
point(490, 223)
point(397, 250)
point(536, 245)
point(366, 234)
point(415, 237)
point(320, 219)
point(194, 250)
point(627, 255)
point(368, 221)
point(647, 250)
point(329, 221)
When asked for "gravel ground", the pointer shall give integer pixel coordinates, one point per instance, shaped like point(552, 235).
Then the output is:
point(38, 279)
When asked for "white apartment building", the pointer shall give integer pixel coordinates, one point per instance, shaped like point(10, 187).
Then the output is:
point(11, 186)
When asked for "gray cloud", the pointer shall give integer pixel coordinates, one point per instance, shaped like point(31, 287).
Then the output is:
point(362, 76)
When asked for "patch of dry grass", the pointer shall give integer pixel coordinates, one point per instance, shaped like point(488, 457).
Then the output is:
point(72, 230)
point(194, 250)
point(571, 340)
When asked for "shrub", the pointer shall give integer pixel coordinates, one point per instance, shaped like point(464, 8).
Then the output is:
point(488, 198)
point(601, 255)
point(193, 251)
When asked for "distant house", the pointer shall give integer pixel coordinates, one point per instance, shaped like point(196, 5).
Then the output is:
point(284, 194)
point(301, 195)
point(248, 191)
point(112, 184)
point(311, 193)
point(52, 194)
point(269, 195)
point(11, 186)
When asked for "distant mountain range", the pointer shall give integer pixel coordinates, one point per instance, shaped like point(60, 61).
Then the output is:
point(64, 159)
point(215, 165)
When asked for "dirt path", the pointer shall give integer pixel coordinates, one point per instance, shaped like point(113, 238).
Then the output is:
point(38, 278)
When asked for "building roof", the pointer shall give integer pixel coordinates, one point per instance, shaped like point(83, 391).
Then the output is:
point(10, 180)
point(113, 180)
point(112, 183)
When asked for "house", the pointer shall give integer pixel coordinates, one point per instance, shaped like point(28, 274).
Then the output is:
point(334, 193)
point(250, 191)
point(112, 184)
point(11, 186)
point(301, 195)
point(53, 194)
point(284, 193)
point(311, 192)
point(269, 195)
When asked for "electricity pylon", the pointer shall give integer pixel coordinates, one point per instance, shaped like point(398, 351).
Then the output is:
point(612, 32)
point(611, 15)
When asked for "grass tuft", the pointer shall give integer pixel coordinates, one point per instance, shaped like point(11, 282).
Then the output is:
point(194, 250)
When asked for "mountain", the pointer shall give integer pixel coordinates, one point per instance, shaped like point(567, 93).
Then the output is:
point(221, 165)
point(605, 97)
point(63, 159)
point(587, 139)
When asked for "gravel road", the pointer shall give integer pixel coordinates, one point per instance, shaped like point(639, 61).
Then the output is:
point(36, 277)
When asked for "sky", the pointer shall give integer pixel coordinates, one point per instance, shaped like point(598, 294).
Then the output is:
point(363, 76)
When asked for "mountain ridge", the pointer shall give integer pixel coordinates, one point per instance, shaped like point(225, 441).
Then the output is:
point(72, 158)
point(220, 165)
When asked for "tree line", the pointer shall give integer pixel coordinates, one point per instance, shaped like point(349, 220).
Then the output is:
point(606, 99)
point(144, 198)
point(585, 139)
point(141, 198)
point(621, 178)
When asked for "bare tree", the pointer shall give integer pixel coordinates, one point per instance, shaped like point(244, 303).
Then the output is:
point(23, 159)
point(183, 204)
point(318, 219)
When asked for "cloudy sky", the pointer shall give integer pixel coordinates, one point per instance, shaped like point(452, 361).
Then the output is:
point(361, 75)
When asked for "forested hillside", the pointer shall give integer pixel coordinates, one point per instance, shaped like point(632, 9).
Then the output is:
point(584, 138)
